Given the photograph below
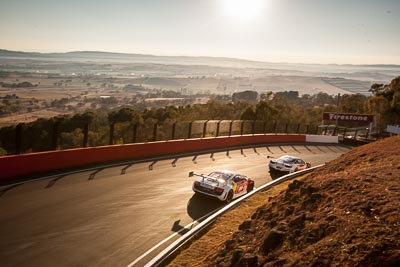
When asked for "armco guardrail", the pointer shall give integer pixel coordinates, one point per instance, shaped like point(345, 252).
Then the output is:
point(42, 162)
point(171, 249)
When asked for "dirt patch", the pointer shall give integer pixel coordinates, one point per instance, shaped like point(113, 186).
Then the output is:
point(31, 116)
point(344, 214)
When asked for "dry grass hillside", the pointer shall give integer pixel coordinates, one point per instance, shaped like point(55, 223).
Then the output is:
point(344, 214)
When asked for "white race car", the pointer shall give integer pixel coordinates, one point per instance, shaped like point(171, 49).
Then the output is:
point(288, 164)
point(223, 185)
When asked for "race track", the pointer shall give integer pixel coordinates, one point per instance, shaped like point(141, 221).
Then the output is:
point(112, 216)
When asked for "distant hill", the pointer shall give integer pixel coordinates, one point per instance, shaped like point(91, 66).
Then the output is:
point(185, 60)
point(123, 57)
point(370, 73)
point(8, 53)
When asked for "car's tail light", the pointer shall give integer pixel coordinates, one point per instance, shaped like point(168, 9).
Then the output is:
point(219, 189)
point(197, 183)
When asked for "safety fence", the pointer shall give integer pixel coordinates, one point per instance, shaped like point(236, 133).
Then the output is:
point(361, 134)
point(53, 135)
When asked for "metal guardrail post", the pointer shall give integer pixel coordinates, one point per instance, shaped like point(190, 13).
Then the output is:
point(190, 130)
point(217, 131)
point(54, 136)
point(298, 128)
point(111, 140)
point(286, 127)
point(173, 131)
point(134, 133)
point(253, 127)
point(155, 131)
point(230, 128)
point(241, 127)
point(85, 134)
point(205, 128)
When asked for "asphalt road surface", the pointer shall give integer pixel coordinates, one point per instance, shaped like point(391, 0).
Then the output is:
point(112, 216)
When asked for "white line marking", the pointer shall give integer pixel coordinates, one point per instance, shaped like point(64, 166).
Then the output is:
point(168, 238)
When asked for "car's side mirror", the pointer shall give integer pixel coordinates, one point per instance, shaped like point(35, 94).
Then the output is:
point(191, 174)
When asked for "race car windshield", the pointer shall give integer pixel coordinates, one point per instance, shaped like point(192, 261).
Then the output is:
point(220, 175)
point(288, 160)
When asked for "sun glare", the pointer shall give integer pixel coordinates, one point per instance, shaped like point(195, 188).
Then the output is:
point(242, 10)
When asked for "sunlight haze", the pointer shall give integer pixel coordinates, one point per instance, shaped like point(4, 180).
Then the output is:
point(306, 31)
point(243, 10)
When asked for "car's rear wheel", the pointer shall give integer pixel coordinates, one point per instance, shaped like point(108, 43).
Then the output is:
point(250, 187)
point(229, 197)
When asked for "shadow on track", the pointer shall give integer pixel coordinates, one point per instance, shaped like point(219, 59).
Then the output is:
point(275, 175)
point(178, 228)
point(295, 149)
point(3, 191)
point(199, 205)
point(123, 170)
point(151, 166)
point(54, 181)
point(281, 148)
point(173, 163)
point(93, 174)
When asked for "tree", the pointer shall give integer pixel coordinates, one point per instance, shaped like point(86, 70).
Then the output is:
point(288, 95)
point(248, 114)
point(394, 87)
point(122, 115)
point(354, 103)
point(3, 152)
point(381, 90)
point(380, 107)
point(265, 112)
point(392, 93)
point(323, 99)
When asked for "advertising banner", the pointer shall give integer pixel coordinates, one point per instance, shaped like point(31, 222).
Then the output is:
point(353, 117)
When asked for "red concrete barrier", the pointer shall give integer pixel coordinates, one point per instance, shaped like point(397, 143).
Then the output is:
point(42, 162)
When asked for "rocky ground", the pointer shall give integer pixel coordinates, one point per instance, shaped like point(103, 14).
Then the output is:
point(346, 213)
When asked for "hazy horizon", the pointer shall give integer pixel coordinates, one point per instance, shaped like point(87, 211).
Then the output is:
point(190, 56)
point(286, 31)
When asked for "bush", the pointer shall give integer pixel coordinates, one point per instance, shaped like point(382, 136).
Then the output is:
point(3, 152)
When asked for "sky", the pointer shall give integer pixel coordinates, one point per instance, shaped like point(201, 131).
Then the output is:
point(294, 31)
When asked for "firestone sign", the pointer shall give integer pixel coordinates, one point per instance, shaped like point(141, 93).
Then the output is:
point(331, 116)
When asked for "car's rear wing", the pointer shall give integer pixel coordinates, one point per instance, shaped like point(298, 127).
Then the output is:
point(191, 174)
